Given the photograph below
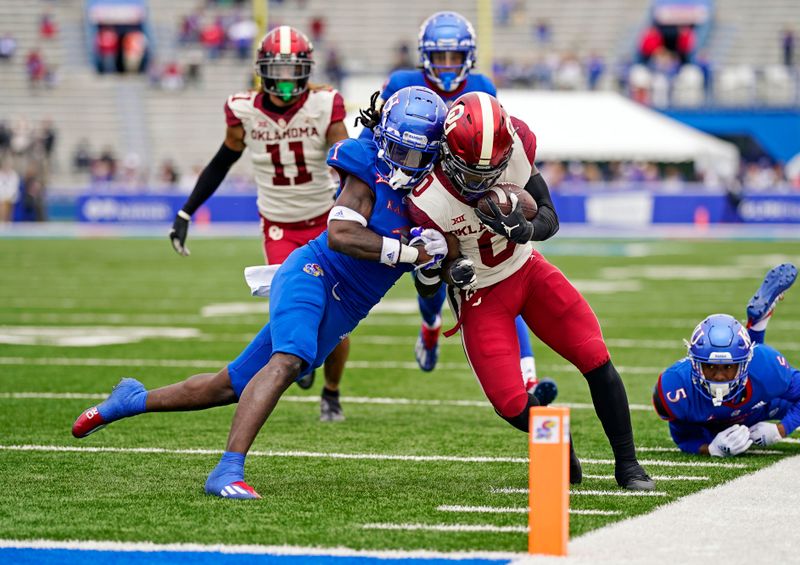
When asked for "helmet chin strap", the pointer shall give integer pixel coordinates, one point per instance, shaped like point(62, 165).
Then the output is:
point(399, 179)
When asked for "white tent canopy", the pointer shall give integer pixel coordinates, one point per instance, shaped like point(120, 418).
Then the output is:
point(604, 126)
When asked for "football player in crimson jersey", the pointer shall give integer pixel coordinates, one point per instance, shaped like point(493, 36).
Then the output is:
point(494, 274)
point(288, 128)
point(321, 292)
point(447, 52)
point(719, 399)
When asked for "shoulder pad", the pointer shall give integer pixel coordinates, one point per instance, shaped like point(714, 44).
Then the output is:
point(671, 394)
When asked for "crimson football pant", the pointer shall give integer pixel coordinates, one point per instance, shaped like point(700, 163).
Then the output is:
point(281, 238)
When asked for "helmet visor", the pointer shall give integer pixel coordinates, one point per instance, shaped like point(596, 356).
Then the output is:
point(284, 70)
point(407, 158)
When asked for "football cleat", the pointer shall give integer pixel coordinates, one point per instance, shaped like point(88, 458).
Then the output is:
point(306, 381)
point(426, 350)
point(632, 476)
point(777, 281)
point(545, 391)
point(239, 490)
point(330, 409)
point(126, 399)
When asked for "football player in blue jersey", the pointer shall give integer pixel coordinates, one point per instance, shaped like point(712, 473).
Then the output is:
point(719, 400)
point(447, 51)
point(322, 290)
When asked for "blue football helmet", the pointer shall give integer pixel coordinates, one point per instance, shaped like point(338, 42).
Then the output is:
point(409, 135)
point(447, 31)
point(720, 340)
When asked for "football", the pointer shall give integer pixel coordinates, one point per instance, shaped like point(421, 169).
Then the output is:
point(500, 193)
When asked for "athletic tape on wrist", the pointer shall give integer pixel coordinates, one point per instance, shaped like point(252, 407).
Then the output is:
point(346, 214)
point(390, 251)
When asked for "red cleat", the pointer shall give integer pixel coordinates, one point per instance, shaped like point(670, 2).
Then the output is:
point(88, 422)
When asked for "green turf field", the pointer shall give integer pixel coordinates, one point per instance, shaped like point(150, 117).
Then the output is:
point(648, 296)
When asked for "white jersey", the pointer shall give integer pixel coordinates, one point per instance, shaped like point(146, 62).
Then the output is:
point(436, 204)
point(289, 152)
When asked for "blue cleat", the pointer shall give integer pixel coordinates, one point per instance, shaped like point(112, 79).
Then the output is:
point(545, 391)
point(426, 350)
point(777, 281)
point(127, 399)
point(227, 481)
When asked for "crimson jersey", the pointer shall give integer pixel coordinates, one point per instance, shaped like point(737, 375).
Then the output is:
point(436, 203)
point(288, 152)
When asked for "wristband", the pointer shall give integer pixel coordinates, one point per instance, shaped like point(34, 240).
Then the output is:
point(393, 252)
point(184, 215)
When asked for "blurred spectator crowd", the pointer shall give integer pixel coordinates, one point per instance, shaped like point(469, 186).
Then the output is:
point(26, 153)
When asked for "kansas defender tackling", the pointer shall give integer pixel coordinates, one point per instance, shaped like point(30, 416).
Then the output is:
point(320, 293)
point(720, 398)
point(447, 54)
point(287, 128)
point(495, 274)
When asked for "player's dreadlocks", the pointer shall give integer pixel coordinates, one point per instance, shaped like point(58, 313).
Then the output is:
point(370, 117)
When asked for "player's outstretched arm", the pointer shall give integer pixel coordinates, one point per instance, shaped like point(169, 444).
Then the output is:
point(348, 232)
point(207, 183)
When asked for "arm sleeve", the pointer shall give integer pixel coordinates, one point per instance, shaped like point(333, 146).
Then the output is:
point(545, 224)
point(791, 421)
point(211, 177)
point(426, 288)
point(689, 437)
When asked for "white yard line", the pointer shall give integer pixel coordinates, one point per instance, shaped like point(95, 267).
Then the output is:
point(365, 456)
point(676, 450)
point(315, 400)
point(576, 492)
point(520, 510)
point(449, 528)
point(148, 547)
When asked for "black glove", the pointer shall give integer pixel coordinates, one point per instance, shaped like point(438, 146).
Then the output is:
point(180, 229)
point(513, 226)
point(462, 273)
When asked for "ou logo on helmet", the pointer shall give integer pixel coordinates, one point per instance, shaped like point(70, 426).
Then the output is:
point(452, 117)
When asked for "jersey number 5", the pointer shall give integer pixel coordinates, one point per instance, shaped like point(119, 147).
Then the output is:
point(280, 179)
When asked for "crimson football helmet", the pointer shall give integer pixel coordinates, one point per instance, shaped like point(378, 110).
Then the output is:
point(284, 62)
point(478, 140)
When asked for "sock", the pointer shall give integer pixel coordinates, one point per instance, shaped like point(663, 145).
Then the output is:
point(230, 469)
point(528, 367)
point(430, 332)
point(611, 405)
point(522, 420)
point(330, 393)
point(524, 337)
point(431, 307)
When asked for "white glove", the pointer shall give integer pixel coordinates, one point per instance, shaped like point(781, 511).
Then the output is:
point(435, 245)
point(732, 441)
point(765, 433)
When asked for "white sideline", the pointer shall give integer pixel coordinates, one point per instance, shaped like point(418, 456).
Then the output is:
point(315, 400)
point(520, 510)
point(367, 456)
point(252, 549)
point(711, 526)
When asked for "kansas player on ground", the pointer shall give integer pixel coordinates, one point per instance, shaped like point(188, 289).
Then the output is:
point(447, 51)
point(719, 399)
point(288, 129)
point(495, 275)
point(320, 293)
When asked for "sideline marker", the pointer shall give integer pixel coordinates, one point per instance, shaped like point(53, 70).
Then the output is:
point(548, 515)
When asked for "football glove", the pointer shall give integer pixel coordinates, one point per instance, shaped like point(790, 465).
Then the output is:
point(731, 441)
point(513, 226)
point(180, 229)
point(765, 433)
point(434, 243)
point(462, 273)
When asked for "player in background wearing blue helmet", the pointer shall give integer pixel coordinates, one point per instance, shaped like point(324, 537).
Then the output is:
point(321, 292)
point(447, 52)
point(720, 398)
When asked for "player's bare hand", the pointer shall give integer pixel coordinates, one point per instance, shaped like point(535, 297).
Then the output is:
point(462, 274)
point(178, 233)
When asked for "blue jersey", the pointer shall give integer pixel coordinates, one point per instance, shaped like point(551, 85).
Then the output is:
point(475, 82)
point(364, 282)
point(772, 392)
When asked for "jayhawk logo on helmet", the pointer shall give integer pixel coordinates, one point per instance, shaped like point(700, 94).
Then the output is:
point(284, 62)
point(478, 143)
